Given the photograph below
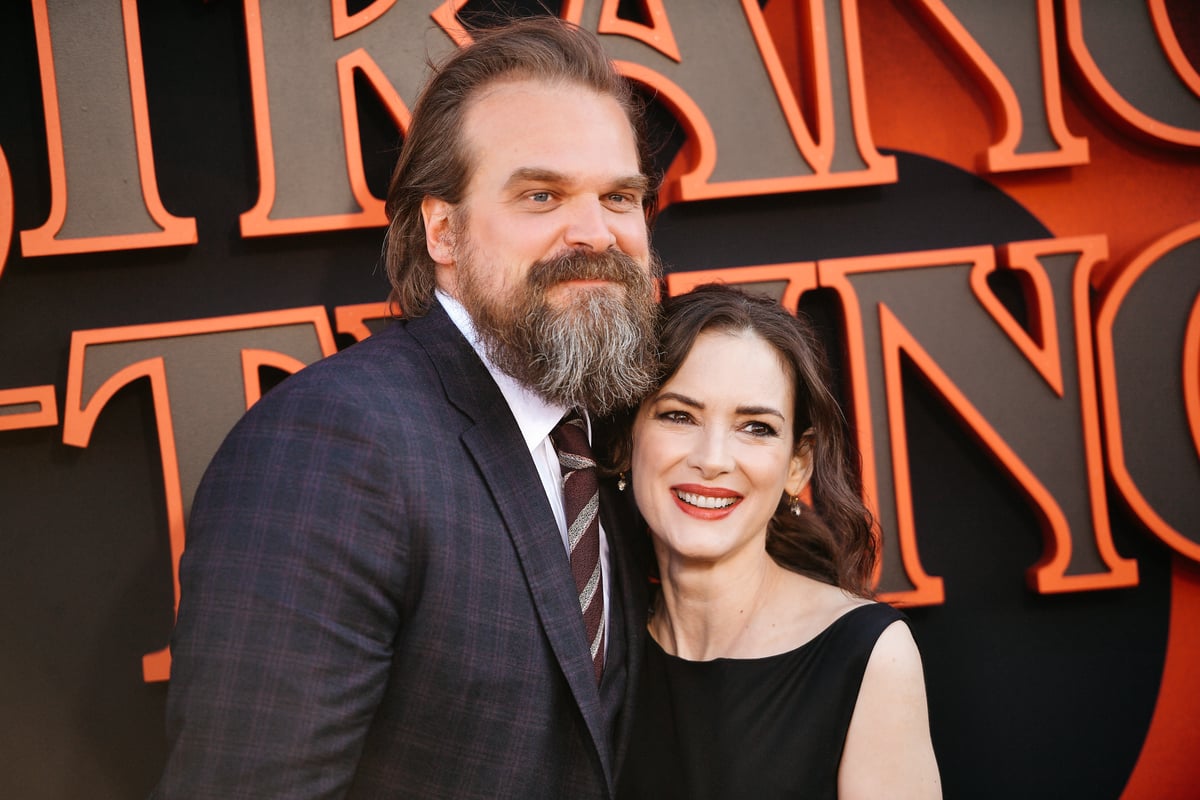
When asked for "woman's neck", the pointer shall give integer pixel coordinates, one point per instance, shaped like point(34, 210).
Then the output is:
point(720, 611)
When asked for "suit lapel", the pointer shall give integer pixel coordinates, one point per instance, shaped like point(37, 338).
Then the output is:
point(499, 451)
point(628, 556)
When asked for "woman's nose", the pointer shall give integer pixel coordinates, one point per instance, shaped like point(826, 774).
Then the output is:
point(711, 455)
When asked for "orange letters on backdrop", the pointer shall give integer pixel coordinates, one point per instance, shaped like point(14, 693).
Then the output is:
point(806, 80)
point(194, 405)
point(112, 196)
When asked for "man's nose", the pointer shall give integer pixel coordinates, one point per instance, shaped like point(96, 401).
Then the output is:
point(588, 226)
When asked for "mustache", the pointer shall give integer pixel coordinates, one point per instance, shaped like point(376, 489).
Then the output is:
point(585, 265)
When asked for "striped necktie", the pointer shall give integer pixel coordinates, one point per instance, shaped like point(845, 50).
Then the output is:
point(581, 502)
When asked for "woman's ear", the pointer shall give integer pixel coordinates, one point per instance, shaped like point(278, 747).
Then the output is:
point(439, 234)
point(800, 470)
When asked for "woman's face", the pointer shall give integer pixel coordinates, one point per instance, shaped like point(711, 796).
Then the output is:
point(713, 450)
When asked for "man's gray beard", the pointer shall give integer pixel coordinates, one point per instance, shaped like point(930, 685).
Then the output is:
point(596, 349)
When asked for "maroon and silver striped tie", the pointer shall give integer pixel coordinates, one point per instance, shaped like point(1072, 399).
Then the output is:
point(581, 501)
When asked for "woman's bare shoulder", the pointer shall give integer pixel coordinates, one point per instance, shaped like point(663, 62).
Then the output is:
point(888, 749)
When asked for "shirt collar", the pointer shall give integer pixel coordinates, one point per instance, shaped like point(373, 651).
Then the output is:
point(535, 417)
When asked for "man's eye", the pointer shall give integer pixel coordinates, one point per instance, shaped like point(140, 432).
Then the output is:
point(540, 197)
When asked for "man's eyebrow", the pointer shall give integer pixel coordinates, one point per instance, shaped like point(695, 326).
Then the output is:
point(521, 175)
point(535, 175)
point(637, 182)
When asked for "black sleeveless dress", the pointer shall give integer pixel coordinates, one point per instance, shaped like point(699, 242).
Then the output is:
point(769, 727)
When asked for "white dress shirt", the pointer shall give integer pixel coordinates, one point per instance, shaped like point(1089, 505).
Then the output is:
point(536, 418)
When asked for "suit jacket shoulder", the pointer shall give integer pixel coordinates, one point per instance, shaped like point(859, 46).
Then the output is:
point(373, 599)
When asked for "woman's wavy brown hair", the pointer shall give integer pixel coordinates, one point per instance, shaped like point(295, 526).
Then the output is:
point(834, 540)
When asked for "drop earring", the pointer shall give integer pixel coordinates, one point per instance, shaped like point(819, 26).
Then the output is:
point(794, 505)
point(621, 482)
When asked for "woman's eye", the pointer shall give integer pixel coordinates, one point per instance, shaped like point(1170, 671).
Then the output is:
point(759, 429)
point(678, 417)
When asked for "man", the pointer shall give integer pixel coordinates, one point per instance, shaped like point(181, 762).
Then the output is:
point(380, 594)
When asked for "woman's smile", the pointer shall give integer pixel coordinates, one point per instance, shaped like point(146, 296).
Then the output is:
point(706, 502)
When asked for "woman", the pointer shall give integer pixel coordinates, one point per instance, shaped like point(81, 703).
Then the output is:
point(769, 672)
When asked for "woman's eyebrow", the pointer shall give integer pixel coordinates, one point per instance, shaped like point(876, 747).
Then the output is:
point(680, 398)
point(746, 411)
point(755, 411)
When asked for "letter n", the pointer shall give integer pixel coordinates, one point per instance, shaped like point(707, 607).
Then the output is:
point(1026, 392)
point(1011, 50)
point(753, 126)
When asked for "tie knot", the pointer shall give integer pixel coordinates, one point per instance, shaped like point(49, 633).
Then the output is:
point(571, 442)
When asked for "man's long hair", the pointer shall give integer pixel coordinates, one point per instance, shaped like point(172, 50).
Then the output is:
point(435, 161)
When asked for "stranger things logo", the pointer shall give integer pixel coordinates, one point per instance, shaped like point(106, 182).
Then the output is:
point(992, 214)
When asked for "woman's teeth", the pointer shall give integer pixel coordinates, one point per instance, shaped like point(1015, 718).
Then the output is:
point(703, 501)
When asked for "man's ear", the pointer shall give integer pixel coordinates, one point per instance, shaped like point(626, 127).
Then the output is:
point(439, 234)
point(801, 468)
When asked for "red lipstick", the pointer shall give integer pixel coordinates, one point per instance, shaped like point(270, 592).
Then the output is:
point(725, 500)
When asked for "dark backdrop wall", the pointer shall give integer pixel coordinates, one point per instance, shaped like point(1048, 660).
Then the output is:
point(991, 212)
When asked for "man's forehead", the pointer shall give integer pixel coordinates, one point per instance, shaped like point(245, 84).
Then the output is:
point(530, 130)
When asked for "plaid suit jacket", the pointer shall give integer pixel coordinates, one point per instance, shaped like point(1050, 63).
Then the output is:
point(376, 602)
